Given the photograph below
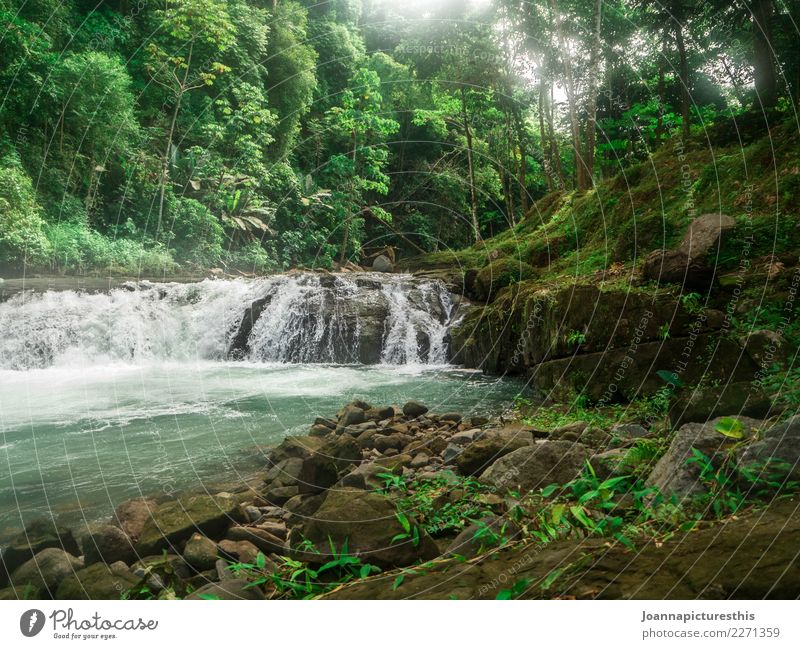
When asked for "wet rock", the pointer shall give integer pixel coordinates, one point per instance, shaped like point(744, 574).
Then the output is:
point(351, 415)
point(367, 522)
point(108, 543)
point(538, 465)
point(46, 570)
point(453, 417)
point(414, 409)
point(451, 452)
point(263, 540)
point(175, 521)
point(465, 437)
point(382, 264)
point(98, 581)
point(38, 535)
point(280, 495)
point(478, 455)
point(395, 440)
point(322, 469)
point(420, 460)
point(132, 515)
point(241, 551)
point(275, 528)
point(200, 552)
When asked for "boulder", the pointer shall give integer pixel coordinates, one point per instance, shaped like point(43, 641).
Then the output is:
point(767, 347)
point(98, 581)
point(704, 233)
point(494, 444)
point(322, 469)
point(778, 451)
point(132, 515)
point(175, 521)
point(352, 415)
point(395, 440)
point(676, 267)
point(296, 446)
point(366, 475)
point(536, 465)
point(413, 409)
point(46, 570)
point(673, 475)
point(382, 264)
point(230, 589)
point(38, 535)
point(285, 473)
point(366, 522)
point(241, 551)
point(108, 543)
point(609, 463)
point(622, 434)
point(741, 398)
point(200, 552)
point(263, 540)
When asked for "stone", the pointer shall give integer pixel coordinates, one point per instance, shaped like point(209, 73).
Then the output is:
point(395, 440)
point(39, 535)
point(477, 421)
point(451, 452)
point(779, 445)
point(465, 437)
point(318, 430)
point(241, 551)
point(609, 463)
point(175, 521)
point(537, 465)
point(672, 475)
point(296, 446)
point(379, 414)
point(132, 515)
point(46, 570)
point(367, 523)
point(704, 233)
point(626, 433)
point(98, 581)
point(279, 495)
point(322, 469)
point(230, 589)
point(108, 543)
point(366, 475)
point(275, 528)
point(742, 398)
point(478, 455)
point(351, 415)
point(382, 264)
point(450, 416)
point(676, 267)
point(413, 409)
point(252, 514)
point(767, 347)
point(420, 460)
point(263, 540)
point(301, 507)
point(200, 552)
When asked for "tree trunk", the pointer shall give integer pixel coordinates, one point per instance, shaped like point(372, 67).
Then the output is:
point(547, 161)
point(522, 164)
point(555, 151)
point(170, 135)
point(763, 64)
point(683, 71)
point(661, 90)
point(470, 167)
point(575, 127)
point(591, 119)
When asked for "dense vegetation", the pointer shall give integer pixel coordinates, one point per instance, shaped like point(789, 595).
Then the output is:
point(158, 137)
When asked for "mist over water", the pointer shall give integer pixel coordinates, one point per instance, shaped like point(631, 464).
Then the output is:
point(109, 396)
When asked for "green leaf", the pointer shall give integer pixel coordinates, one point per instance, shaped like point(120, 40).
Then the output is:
point(580, 515)
point(557, 513)
point(404, 521)
point(549, 490)
point(397, 581)
point(730, 427)
point(670, 378)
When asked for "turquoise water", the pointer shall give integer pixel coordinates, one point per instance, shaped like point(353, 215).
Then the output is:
point(76, 441)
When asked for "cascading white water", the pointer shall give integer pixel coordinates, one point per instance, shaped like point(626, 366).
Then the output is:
point(306, 318)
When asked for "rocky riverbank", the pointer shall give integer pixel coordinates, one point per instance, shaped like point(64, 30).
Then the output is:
point(400, 502)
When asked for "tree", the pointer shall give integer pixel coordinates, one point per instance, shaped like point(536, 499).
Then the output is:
point(184, 56)
point(358, 169)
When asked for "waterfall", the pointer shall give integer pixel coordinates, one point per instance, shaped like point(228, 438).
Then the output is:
point(292, 318)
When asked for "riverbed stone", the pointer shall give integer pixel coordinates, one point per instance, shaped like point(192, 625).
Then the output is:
point(106, 542)
point(414, 409)
point(367, 523)
point(46, 570)
point(39, 535)
point(478, 455)
point(260, 538)
point(536, 465)
point(98, 581)
point(175, 521)
point(200, 552)
point(132, 515)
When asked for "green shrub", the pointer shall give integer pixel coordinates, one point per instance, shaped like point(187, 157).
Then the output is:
point(195, 231)
point(22, 237)
point(501, 273)
point(252, 258)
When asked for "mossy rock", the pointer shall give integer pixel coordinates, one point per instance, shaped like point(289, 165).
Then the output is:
point(98, 581)
point(175, 521)
point(499, 274)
